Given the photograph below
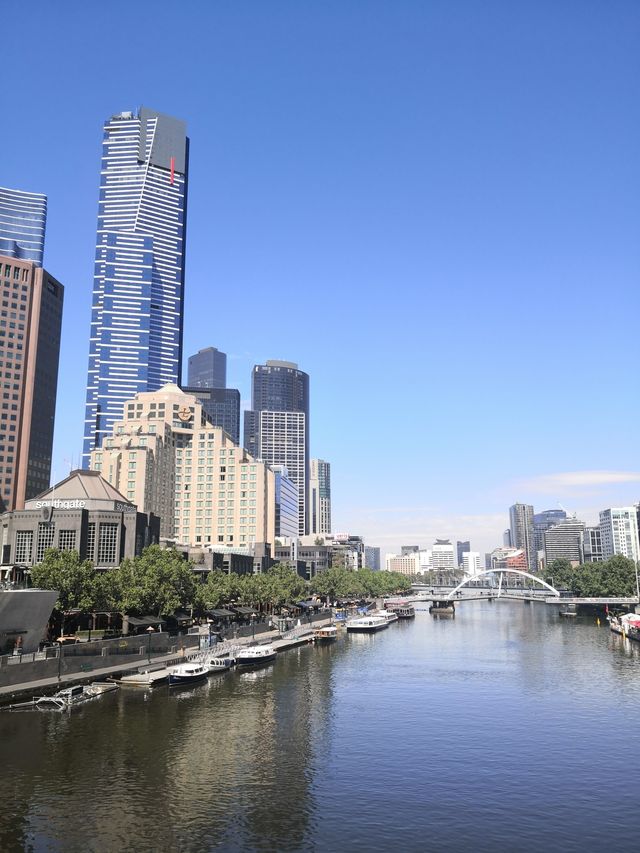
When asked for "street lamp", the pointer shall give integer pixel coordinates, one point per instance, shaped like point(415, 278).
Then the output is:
point(150, 631)
point(254, 616)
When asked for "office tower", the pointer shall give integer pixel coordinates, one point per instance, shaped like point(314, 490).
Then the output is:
point(372, 558)
point(320, 497)
point(29, 353)
point(166, 458)
point(23, 221)
point(443, 555)
point(286, 497)
point(462, 548)
point(592, 544)
point(405, 550)
point(404, 564)
point(276, 429)
point(564, 541)
point(619, 532)
point(542, 521)
point(207, 369)
point(506, 538)
point(521, 526)
point(471, 562)
point(138, 286)
point(222, 408)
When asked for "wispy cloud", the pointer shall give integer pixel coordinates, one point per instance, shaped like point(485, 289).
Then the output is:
point(577, 481)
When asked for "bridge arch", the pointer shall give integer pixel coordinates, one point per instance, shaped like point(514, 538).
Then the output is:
point(517, 572)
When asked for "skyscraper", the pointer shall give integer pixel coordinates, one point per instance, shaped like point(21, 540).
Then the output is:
point(138, 287)
point(521, 526)
point(23, 220)
point(29, 353)
point(619, 532)
point(276, 429)
point(320, 497)
point(462, 548)
point(207, 369)
point(542, 521)
point(564, 541)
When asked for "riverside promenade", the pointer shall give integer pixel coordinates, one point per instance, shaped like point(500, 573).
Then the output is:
point(190, 645)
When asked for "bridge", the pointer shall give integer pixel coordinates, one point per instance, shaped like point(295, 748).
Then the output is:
point(444, 597)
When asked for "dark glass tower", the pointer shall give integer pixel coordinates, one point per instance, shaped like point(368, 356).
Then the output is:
point(138, 286)
point(207, 369)
point(23, 220)
point(276, 429)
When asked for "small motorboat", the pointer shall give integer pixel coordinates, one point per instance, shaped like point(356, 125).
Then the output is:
point(367, 624)
point(219, 664)
point(187, 673)
point(255, 656)
point(145, 677)
point(325, 635)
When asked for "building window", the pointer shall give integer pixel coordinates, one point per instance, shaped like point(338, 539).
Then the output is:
point(46, 533)
point(107, 544)
point(67, 540)
point(91, 541)
point(24, 546)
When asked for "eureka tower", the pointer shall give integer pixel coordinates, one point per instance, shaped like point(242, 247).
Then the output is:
point(138, 285)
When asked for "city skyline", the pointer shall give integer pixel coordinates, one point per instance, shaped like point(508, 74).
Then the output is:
point(448, 258)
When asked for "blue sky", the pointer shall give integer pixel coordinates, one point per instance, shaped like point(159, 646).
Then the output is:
point(432, 207)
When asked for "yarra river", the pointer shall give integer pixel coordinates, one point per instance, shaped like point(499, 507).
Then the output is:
point(504, 729)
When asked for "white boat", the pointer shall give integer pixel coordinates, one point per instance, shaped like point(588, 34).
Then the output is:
point(219, 664)
point(325, 635)
point(402, 609)
point(255, 655)
point(389, 615)
point(187, 673)
point(76, 695)
point(367, 624)
point(145, 677)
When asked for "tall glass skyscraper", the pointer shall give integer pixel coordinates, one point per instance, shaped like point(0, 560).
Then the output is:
point(23, 220)
point(207, 369)
point(138, 287)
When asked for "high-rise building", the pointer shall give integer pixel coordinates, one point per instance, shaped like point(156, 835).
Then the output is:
point(286, 497)
point(471, 562)
point(276, 429)
point(564, 541)
point(443, 555)
point(521, 526)
point(619, 532)
point(405, 550)
point(461, 549)
point(207, 369)
point(138, 286)
point(542, 521)
point(320, 497)
point(404, 564)
point(23, 221)
point(222, 407)
point(165, 457)
point(592, 545)
point(372, 557)
point(30, 326)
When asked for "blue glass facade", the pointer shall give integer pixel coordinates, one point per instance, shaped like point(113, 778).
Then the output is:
point(138, 289)
point(23, 221)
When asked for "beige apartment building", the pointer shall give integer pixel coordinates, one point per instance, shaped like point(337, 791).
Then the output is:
point(168, 459)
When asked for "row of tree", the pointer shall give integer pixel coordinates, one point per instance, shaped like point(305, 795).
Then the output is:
point(615, 577)
point(160, 582)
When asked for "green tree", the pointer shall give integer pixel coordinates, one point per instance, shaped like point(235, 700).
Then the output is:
point(615, 577)
point(560, 573)
point(158, 582)
point(73, 578)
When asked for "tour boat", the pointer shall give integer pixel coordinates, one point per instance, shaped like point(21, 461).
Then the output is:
point(325, 635)
point(187, 673)
point(367, 624)
point(389, 615)
point(255, 655)
point(403, 610)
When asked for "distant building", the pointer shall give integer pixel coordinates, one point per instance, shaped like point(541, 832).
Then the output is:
point(286, 499)
point(83, 513)
point(405, 550)
point(222, 407)
point(462, 548)
point(32, 301)
point(506, 538)
point(207, 369)
point(305, 552)
point(521, 526)
point(592, 545)
point(404, 564)
point(509, 558)
point(23, 222)
point(471, 562)
point(443, 555)
point(346, 551)
point(564, 541)
point(372, 558)
point(619, 532)
point(542, 521)
point(320, 497)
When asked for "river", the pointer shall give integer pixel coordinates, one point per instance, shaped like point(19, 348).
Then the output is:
point(503, 729)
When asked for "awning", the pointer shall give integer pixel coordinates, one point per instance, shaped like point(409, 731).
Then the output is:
point(244, 611)
point(182, 615)
point(290, 606)
point(309, 605)
point(145, 621)
point(220, 612)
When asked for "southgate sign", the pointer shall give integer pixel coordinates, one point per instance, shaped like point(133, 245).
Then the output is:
point(58, 504)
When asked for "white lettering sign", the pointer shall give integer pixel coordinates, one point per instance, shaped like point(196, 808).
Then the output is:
point(58, 504)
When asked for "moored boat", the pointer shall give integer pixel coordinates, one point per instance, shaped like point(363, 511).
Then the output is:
point(187, 673)
point(145, 677)
point(627, 624)
point(402, 609)
point(325, 635)
point(389, 615)
point(70, 697)
point(255, 656)
point(219, 664)
point(367, 624)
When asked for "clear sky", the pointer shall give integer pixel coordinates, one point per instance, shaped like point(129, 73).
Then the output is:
point(431, 205)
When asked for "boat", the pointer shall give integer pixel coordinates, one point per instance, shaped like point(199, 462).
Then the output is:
point(255, 656)
point(70, 697)
point(219, 664)
point(325, 635)
point(367, 624)
point(389, 615)
point(627, 624)
point(187, 673)
point(145, 677)
point(402, 609)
